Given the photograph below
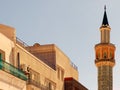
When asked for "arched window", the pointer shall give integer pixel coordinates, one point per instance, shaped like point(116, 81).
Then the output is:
point(98, 55)
point(111, 55)
point(105, 55)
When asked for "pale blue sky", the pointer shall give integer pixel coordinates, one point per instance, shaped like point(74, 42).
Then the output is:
point(73, 25)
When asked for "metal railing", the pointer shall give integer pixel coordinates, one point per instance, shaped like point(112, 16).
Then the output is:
point(37, 84)
point(7, 67)
point(73, 65)
point(21, 43)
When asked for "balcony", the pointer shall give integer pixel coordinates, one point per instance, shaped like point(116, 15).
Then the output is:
point(37, 84)
point(101, 60)
point(12, 70)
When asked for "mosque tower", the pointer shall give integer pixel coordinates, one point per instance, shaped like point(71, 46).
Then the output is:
point(104, 56)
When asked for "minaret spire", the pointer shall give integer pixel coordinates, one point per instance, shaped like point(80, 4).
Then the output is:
point(105, 28)
point(105, 20)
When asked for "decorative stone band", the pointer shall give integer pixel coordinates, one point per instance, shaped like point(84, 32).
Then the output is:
point(105, 63)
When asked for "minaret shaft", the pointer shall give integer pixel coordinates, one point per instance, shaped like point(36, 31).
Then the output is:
point(105, 78)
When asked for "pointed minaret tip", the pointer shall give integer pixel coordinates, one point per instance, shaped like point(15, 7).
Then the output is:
point(105, 20)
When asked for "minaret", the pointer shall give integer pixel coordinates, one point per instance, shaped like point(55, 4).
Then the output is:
point(105, 53)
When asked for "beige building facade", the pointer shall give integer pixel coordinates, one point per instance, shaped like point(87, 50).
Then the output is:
point(37, 67)
point(11, 78)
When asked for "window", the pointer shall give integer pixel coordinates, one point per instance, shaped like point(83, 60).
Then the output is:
point(98, 55)
point(2, 55)
point(111, 55)
point(105, 55)
point(50, 84)
point(60, 73)
point(34, 77)
point(18, 60)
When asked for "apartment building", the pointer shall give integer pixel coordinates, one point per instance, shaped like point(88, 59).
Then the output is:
point(37, 67)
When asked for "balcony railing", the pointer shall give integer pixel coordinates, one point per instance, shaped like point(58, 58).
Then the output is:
point(21, 43)
point(12, 70)
point(37, 84)
point(73, 65)
point(101, 60)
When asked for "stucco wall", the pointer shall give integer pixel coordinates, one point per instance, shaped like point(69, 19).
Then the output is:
point(63, 61)
point(37, 65)
point(6, 45)
point(10, 82)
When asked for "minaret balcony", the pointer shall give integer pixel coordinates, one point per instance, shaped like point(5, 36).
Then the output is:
point(106, 62)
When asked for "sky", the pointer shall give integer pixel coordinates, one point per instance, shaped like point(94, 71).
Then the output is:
point(73, 25)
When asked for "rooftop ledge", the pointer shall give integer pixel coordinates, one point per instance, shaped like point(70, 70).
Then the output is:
point(7, 67)
point(24, 45)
